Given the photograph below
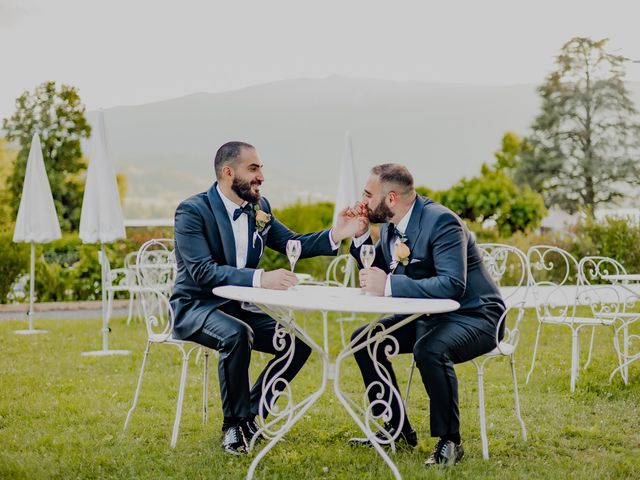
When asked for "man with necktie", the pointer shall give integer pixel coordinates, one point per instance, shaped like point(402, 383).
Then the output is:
point(425, 251)
point(220, 236)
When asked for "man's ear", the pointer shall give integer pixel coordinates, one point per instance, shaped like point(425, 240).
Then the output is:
point(227, 171)
point(393, 197)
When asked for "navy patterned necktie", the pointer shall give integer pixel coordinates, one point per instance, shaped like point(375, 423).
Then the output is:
point(394, 232)
point(248, 209)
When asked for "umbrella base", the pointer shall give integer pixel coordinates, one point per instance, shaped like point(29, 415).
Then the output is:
point(104, 353)
point(30, 331)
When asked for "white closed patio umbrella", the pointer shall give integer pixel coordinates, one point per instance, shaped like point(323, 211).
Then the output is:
point(101, 217)
point(37, 220)
point(347, 195)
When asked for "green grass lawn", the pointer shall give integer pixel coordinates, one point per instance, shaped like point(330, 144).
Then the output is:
point(61, 415)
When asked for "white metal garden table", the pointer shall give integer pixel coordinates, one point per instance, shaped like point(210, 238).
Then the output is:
point(281, 305)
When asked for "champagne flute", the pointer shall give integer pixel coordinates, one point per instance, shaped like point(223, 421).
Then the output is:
point(367, 255)
point(294, 248)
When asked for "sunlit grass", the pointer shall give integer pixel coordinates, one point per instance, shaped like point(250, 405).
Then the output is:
point(61, 415)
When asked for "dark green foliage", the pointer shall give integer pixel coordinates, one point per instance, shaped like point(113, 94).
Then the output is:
point(58, 116)
point(302, 218)
point(494, 195)
point(617, 238)
point(15, 260)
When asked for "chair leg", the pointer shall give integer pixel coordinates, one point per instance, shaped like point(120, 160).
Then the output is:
point(593, 335)
point(137, 394)
point(483, 420)
point(535, 351)
point(516, 397)
point(625, 369)
point(131, 295)
point(205, 388)
point(344, 343)
point(575, 358)
point(412, 368)
point(183, 381)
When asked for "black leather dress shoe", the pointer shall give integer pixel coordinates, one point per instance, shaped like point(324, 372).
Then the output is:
point(405, 439)
point(250, 428)
point(233, 441)
point(445, 453)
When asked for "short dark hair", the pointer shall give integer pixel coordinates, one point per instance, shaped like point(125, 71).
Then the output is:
point(228, 154)
point(396, 176)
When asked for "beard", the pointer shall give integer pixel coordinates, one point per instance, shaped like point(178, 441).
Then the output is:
point(380, 214)
point(242, 188)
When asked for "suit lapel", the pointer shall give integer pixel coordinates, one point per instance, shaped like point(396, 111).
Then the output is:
point(413, 230)
point(253, 249)
point(384, 243)
point(224, 225)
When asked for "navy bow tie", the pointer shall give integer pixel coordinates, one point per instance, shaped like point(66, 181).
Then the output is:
point(248, 209)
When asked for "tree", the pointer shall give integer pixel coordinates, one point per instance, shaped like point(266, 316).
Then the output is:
point(7, 159)
point(494, 195)
point(585, 142)
point(58, 116)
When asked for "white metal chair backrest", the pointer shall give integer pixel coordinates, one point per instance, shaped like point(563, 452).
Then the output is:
point(156, 272)
point(507, 266)
point(553, 281)
point(156, 264)
point(592, 268)
point(598, 293)
point(342, 271)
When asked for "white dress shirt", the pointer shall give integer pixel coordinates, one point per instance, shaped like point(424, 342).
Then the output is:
point(393, 241)
point(240, 228)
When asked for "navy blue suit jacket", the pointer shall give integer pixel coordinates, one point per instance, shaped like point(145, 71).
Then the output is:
point(206, 255)
point(444, 263)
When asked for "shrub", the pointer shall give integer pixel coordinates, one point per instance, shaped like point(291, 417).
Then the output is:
point(15, 260)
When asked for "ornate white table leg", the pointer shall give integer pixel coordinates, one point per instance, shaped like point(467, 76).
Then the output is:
point(284, 417)
point(363, 415)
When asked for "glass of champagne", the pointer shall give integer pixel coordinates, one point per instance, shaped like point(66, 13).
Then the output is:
point(367, 255)
point(294, 248)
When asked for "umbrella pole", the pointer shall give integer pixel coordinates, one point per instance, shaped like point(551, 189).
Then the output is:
point(105, 313)
point(105, 320)
point(32, 274)
point(32, 283)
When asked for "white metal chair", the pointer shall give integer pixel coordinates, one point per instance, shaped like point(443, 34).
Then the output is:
point(509, 265)
point(122, 280)
point(155, 267)
point(558, 291)
point(592, 269)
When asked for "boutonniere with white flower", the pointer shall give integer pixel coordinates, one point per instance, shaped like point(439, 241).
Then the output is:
point(401, 252)
point(262, 218)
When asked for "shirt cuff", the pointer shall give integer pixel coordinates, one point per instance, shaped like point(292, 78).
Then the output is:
point(387, 287)
point(257, 278)
point(357, 241)
point(334, 245)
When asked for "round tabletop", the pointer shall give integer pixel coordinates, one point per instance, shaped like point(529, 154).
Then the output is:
point(626, 277)
point(335, 299)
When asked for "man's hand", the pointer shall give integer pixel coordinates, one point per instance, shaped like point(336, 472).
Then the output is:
point(362, 211)
point(348, 222)
point(373, 281)
point(280, 279)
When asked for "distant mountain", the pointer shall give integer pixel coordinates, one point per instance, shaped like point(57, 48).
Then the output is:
point(441, 132)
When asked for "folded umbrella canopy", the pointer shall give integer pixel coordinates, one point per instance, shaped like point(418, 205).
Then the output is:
point(101, 217)
point(37, 220)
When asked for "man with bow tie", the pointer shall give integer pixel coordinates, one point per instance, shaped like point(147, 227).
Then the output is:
point(425, 251)
point(220, 235)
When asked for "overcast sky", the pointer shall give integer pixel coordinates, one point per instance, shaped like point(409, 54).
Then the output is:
point(121, 52)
